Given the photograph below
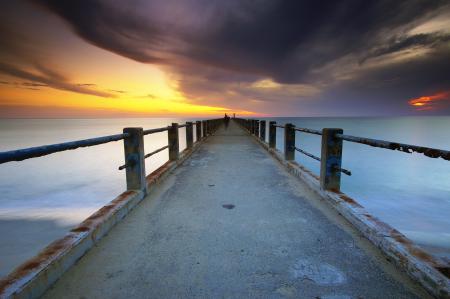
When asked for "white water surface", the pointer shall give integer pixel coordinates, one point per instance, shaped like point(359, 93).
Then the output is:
point(42, 198)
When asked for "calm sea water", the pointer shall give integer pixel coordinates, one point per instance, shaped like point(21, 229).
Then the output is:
point(41, 198)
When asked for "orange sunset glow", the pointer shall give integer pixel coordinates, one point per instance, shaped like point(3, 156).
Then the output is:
point(224, 148)
point(429, 102)
point(100, 58)
point(95, 89)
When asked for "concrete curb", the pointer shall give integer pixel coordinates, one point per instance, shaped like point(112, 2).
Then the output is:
point(419, 265)
point(35, 276)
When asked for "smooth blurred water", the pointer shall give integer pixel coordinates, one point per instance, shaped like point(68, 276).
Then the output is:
point(41, 198)
point(84, 179)
point(409, 191)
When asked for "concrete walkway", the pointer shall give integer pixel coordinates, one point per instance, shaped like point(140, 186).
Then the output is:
point(232, 223)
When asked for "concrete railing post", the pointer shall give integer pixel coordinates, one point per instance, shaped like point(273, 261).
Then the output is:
point(204, 128)
point(257, 128)
point(272, 134)
point(134, 158)
point(198, 130)
point(262, 131)
point(289, 142)
point(189, 135)
point(330, 161)
point(172, 135)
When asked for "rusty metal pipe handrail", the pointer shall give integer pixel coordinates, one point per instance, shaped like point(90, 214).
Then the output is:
point(182, 126)
point(307, 154)
point(279, 126)
point(131, 163)
point(157, 130)
point(156, 151)
point(403, 147)
point(44, 150)
point(310, 131)
point(343, 170)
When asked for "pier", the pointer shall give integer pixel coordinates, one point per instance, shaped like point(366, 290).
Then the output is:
point(230, 216)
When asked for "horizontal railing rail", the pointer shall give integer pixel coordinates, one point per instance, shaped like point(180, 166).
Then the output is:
point(343, 170)
point(156, 151)
point(157, 130)
point(329, 184)
point(146, 156)
point(133, 147)
point(310, 131)
point(60, 255)
point(307, 154)
point(396, 146)
point(44, 150)
point(331, 147)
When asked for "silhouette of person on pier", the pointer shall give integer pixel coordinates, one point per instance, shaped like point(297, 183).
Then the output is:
point(226, 121)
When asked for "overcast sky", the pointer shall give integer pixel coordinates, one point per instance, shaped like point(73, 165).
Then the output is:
point(173, 57)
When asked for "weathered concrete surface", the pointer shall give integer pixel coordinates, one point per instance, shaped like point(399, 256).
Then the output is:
point(274, 238)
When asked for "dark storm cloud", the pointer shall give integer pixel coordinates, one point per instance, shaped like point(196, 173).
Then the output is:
point(47, 77)
point(23, 57)
point(117, 91)
point(49, 73)
point(24, 84)
point(109, 27)
point(396, 44)
point(281, 39)
point(216, 49)
point(87, 84)
point(386, 90)
point(31, 84)
point(291, 39)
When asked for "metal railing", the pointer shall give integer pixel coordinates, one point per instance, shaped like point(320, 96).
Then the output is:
point(39, 151)
point(331, 147)
point(403, 147)
point(133, 139)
